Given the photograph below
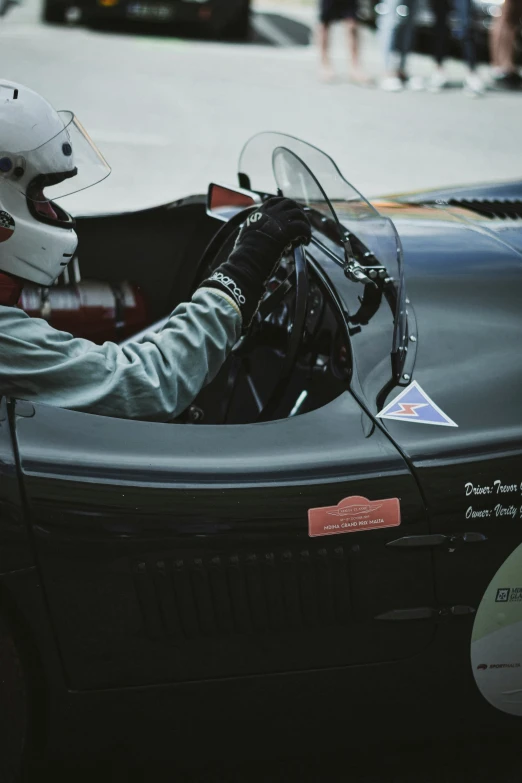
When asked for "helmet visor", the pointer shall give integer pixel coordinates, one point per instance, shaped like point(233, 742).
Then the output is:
point(65, 164)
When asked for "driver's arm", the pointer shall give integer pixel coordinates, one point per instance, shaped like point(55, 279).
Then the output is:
point(158, 377)
point(155, 379)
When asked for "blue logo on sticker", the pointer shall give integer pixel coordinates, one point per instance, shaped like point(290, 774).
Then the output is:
point(413, 404)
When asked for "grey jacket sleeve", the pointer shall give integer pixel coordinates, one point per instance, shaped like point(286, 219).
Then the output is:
point(153, 379)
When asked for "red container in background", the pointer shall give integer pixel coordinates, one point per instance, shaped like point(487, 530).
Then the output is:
point(93, 309)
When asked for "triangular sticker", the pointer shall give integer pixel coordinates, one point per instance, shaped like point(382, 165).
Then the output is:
point(413, 404)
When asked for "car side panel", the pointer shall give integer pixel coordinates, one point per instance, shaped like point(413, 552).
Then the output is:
point(15, 548)
point(178, 553)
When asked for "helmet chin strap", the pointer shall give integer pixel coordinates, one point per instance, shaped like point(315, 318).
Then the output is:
point(10, 289)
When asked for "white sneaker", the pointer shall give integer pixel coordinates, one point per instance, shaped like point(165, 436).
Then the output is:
point(416, 83)
point(392, 84)
point(438, 81)
point(474, 85)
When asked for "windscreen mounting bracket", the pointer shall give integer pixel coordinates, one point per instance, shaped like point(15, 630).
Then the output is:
point(367, 274)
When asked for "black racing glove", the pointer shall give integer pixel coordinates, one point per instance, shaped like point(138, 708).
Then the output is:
point(278, 225)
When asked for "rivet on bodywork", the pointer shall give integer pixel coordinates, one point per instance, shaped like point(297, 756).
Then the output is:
point(413, 338)
point(406, 377)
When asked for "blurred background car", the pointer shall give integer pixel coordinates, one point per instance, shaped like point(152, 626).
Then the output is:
point(220, 18)
point(484, 14)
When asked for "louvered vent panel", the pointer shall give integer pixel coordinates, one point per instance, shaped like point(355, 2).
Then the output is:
point(495, 210)
point(243, 593)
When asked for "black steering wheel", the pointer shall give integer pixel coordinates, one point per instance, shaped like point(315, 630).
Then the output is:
point(289, 294)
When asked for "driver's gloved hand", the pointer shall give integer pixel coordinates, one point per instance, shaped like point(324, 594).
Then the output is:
point(278, 225)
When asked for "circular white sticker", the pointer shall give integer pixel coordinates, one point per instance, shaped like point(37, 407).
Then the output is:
point(496, 642)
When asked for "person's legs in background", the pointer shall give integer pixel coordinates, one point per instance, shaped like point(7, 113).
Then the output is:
point(464, 33)
point(441, 37)
point(352, 32)
point(396, 32)
point(387, 26)
point(327, 73)
point(404, 44)
point(502, 40)
point(345, 11)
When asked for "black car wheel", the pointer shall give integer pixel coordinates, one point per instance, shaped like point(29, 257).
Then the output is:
point(239, 28)
point(13, 712)
point(53, 13)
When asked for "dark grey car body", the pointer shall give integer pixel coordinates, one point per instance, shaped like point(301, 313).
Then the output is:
point(220, 18)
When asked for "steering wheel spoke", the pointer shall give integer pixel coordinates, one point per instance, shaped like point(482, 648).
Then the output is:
point(295, 336)
point(276, 297)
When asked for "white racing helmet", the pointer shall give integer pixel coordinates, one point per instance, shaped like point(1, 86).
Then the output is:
point(44, 155)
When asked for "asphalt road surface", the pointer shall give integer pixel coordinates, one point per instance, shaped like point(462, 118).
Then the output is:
point(171, 114)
